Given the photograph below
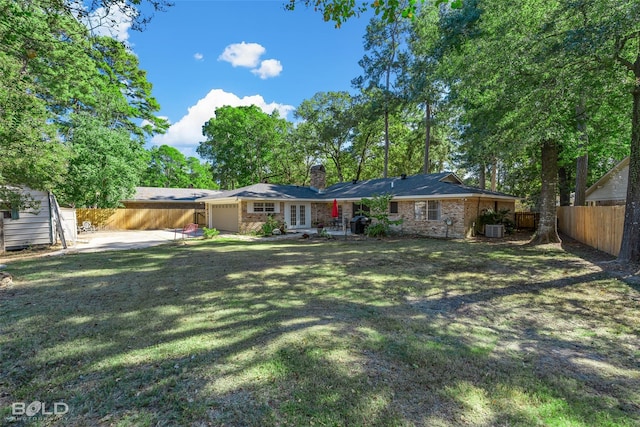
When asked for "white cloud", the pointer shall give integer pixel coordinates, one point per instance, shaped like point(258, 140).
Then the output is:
point(268, 68)
point(186, 133)
point(242, 54)
point(114, 21)
point(198, 56)
point(248, 55)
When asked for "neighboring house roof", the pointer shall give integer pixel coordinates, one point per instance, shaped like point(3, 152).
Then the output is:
point(612, 185)
point(168, 195)
point(445, 184)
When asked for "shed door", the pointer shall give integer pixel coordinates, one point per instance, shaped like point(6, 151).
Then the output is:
point(224, 217)
point(297, 215)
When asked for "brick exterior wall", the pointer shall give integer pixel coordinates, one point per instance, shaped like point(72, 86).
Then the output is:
point(474, 207)
point(321, 212)
point(450, 208)
point(252, 222)
point(318, 177)
point(463, 214)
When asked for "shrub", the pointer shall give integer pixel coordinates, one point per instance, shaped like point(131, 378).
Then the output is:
point(377, 230)
point(489, 216)
point(210, 233)
point(379, 210)
point(272, 224)
point(324, 233)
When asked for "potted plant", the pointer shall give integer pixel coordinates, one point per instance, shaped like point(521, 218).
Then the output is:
point(319, 227)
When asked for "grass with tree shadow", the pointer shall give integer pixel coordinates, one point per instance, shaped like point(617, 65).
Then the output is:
point(395, 332)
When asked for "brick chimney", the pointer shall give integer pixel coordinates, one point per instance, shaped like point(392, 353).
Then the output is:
point(318, 178)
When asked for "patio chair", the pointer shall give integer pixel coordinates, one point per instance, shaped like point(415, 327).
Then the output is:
point(189, 229)
point(87, 226)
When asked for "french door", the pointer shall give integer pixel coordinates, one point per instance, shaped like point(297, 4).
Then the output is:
point(298, 215)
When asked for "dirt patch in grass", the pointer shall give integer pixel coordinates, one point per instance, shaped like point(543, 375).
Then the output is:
point(324, 332)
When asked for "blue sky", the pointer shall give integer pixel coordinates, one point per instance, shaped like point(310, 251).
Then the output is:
point(200, 55)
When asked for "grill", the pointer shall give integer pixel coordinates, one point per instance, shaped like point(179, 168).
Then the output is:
point(359, 224)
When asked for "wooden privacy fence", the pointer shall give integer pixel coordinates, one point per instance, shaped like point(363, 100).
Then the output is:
point(528, 220)
point(597, 226)
point(140, 219)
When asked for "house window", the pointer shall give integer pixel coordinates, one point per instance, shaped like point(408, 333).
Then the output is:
point(429, 210)
point(393, 207)
point(420, 211)
point(293, 213)
point(6, 214)
point(264, 207)
point(433, 210)
point(303, 215)
point(357, 207)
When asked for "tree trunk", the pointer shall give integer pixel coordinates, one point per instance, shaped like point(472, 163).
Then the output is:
point(427, 138)
point(362, 156)
point(582, 170)
point(630, 247)
point(494, 174)
point(386, 143)
point(564, 186)
point(482, 176)
point(547, 231)
point(582, 163)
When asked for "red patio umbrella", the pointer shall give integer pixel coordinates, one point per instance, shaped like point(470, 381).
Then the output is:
point(334, 209)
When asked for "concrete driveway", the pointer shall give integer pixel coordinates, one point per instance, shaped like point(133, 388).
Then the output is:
point(115, 240)
point(119, 240)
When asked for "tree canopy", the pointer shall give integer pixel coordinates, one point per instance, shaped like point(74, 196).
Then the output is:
point(168, 167)
point(529, 97)
point(45, 110)
point(243, 144)
point(533, 93)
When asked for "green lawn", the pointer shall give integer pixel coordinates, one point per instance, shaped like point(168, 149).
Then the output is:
point(325, 333)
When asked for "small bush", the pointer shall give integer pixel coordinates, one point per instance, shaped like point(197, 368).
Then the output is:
point(272, 224)
point(324, 233)
point(379, 210)
point(210, 233)
point(489, 216)
point(377, 230)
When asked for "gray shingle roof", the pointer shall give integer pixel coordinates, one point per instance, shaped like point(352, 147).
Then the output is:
point(268, 191)
point(435, 184)
point(160, 194)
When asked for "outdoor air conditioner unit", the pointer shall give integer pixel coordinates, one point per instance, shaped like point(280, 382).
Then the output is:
point(494, 230)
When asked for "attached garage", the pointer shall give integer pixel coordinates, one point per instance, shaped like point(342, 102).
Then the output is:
point(224, 217)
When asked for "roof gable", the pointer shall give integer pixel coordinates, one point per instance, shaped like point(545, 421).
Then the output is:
point(612, 185)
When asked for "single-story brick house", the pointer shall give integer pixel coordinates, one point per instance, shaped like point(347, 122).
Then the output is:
point(436, 205)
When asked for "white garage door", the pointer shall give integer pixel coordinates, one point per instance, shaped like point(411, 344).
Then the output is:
point(224, 217)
